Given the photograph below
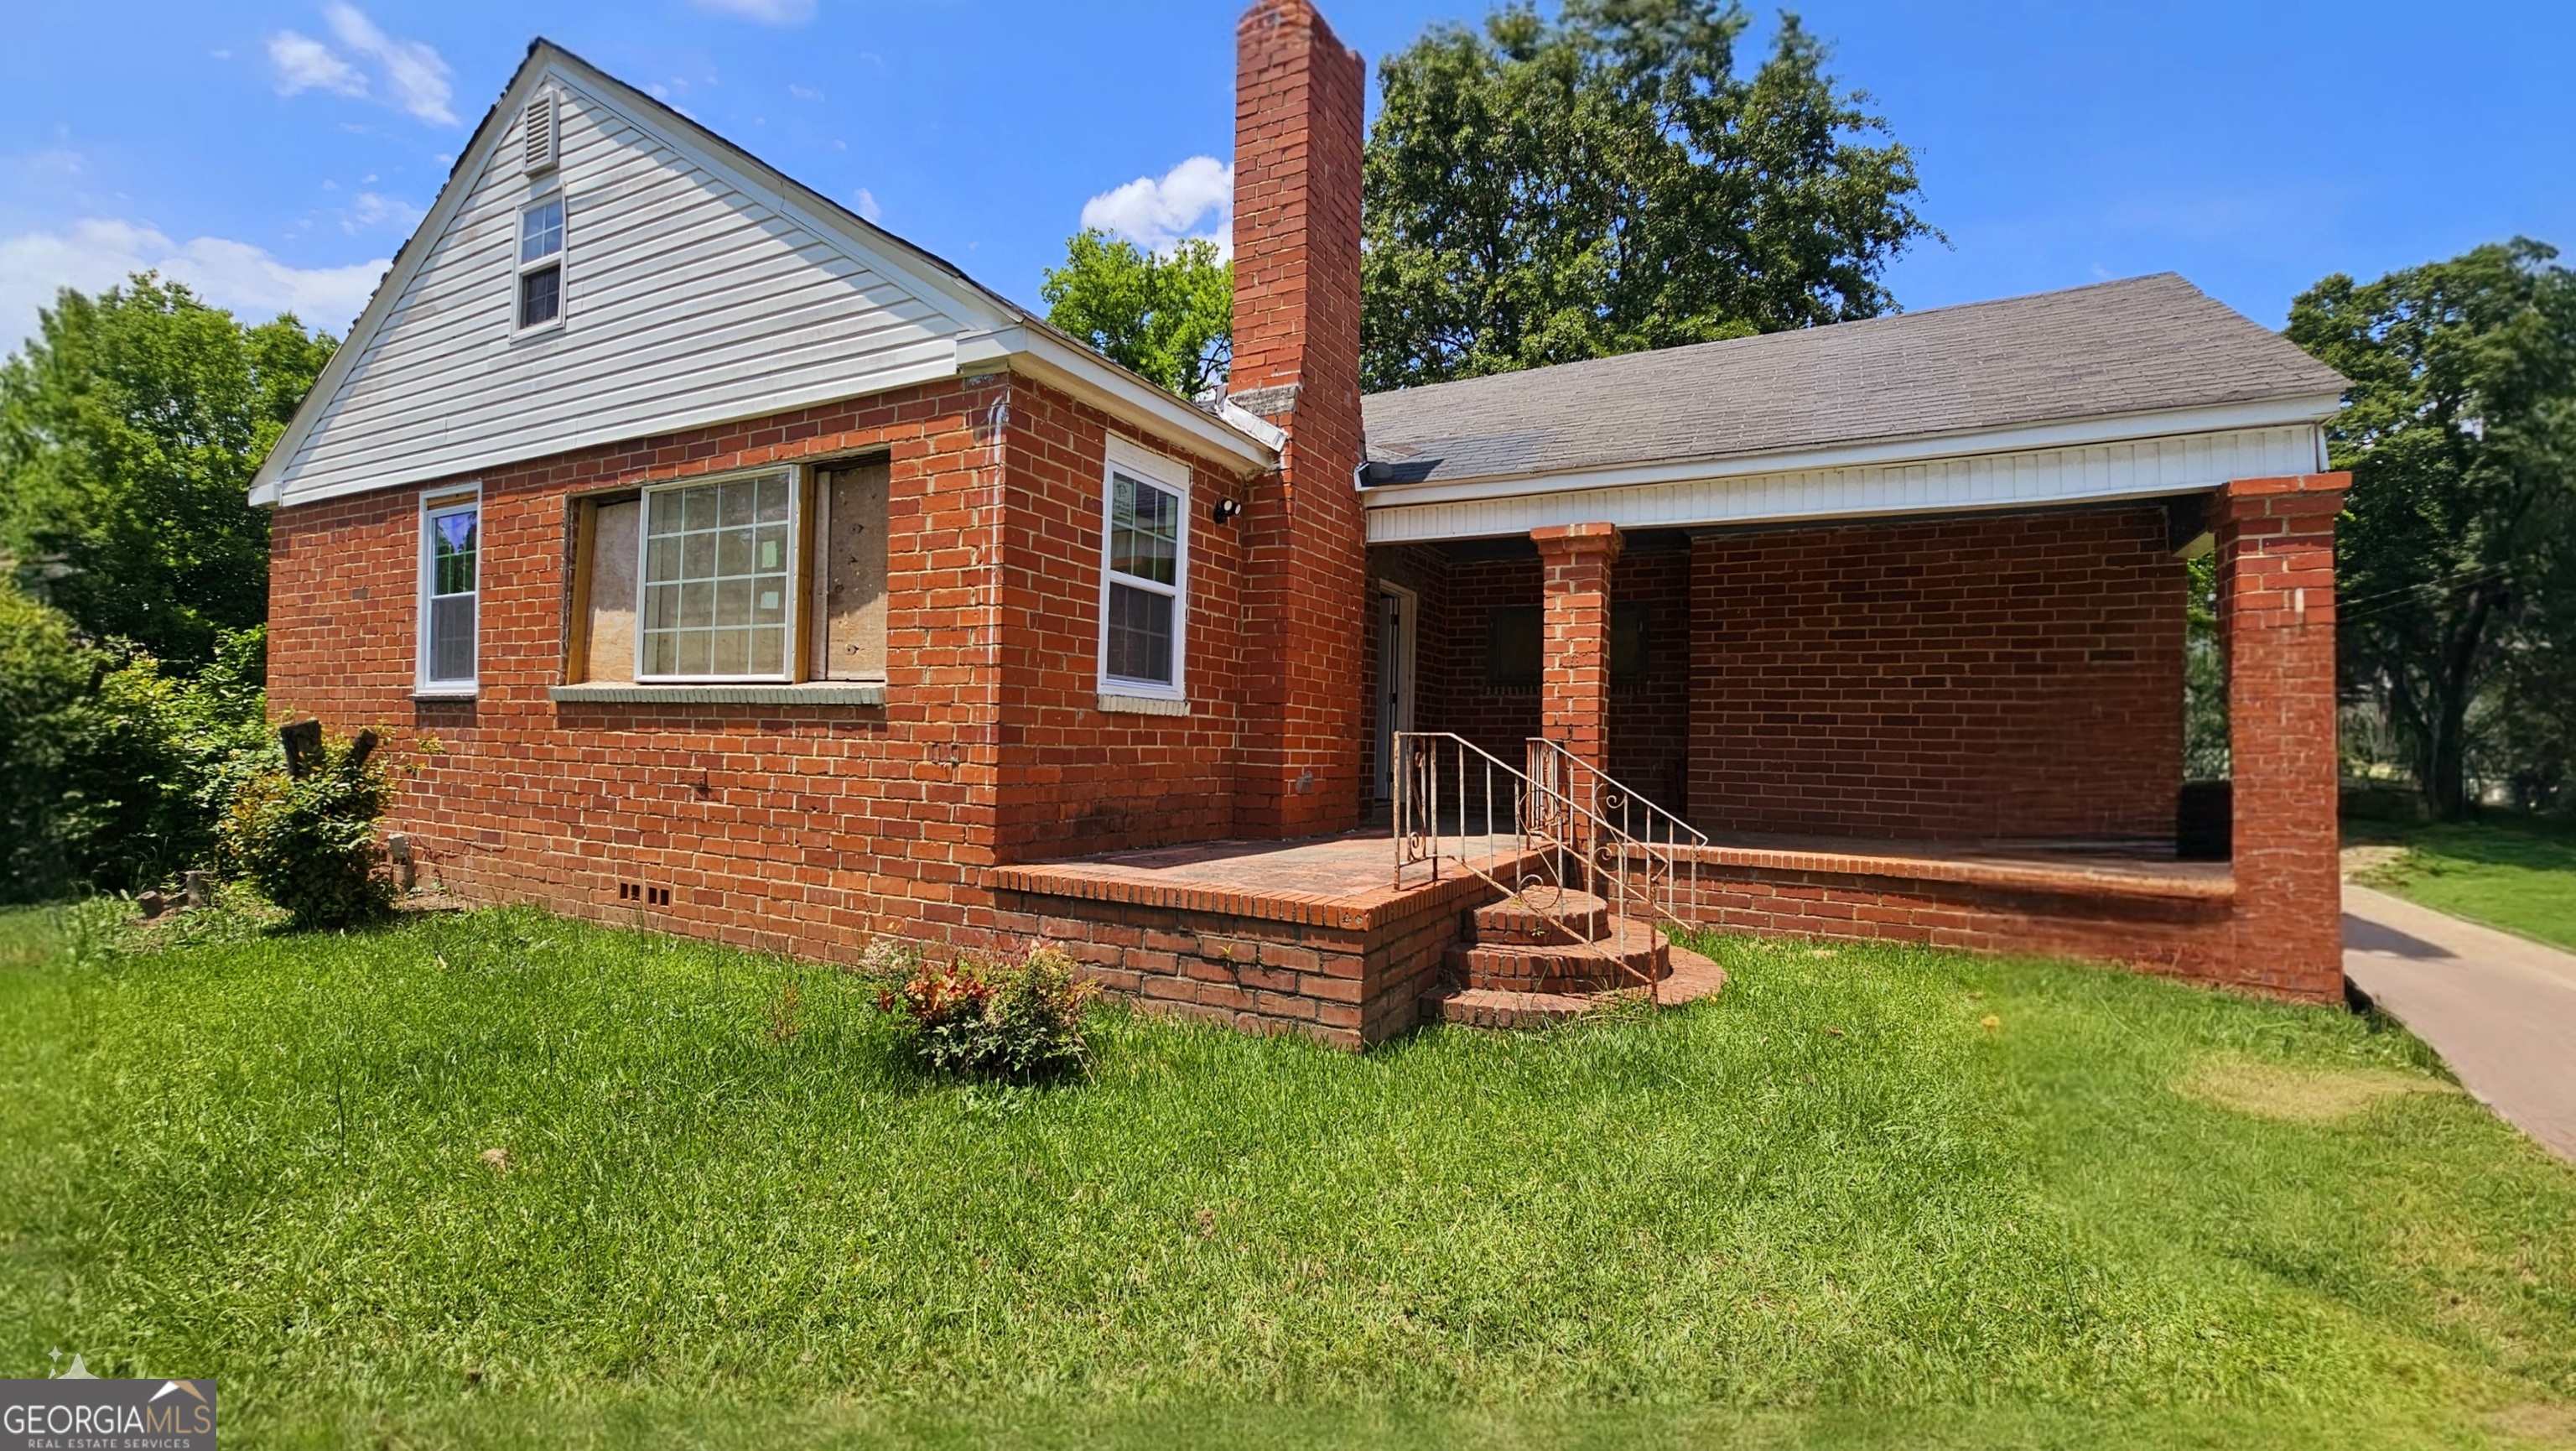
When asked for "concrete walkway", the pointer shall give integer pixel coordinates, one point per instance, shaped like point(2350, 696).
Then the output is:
point(2500, 1009)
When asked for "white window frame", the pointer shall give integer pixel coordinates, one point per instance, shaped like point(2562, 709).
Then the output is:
point(559, 259)
point(436, 504)
point(791, 665)
point(1172, 476)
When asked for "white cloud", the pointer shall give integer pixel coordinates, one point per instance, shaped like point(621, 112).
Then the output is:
point(98, 253)
point(766, 12)
point(416, 79)
point(804, 93)
point(418, 76)
point(1155, 214)
point(370, 208)
point(306, 64)
point(866, 202)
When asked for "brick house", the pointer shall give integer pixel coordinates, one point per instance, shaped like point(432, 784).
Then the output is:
point(764, 577)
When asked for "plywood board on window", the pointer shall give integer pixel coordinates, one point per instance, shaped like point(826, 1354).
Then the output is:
point(851, 645)
point(609, 640)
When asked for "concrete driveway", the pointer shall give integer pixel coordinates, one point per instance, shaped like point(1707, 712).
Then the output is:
point(2500, 1009)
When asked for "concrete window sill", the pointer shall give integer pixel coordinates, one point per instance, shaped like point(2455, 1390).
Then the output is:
point(1143, 704)
point(817, 692)
point(450, 694)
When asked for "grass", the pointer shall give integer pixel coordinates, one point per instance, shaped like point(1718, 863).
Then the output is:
point(1834, 1207)
point(2516, 873)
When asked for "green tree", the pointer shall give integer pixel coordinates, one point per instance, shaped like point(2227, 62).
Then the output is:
point(2458, 543)
point(1543, 192)
point(1168, 315)
point(130, 427)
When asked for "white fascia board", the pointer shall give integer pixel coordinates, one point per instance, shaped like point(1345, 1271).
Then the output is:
point(1035, 353)
point(2116, 428)
point(2097, 473)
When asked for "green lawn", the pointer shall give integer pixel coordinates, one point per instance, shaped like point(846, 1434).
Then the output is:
point(2516, 873)
point(1833, 1207)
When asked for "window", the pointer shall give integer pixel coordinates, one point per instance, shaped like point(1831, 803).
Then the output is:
point(450, 559)
point(541, 245)
point(1515, 651)
point(778, 575)
point(1516, 647)
point(1144, 575)
point(718, 558)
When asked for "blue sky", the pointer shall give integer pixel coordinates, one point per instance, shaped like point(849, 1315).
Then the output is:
point(277, 153)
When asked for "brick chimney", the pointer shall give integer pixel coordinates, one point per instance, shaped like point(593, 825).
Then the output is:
point(1300, 95)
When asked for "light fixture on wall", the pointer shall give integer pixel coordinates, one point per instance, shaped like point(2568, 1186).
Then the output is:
point(1226, 509)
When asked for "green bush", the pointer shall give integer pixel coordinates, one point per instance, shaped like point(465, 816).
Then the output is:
point(1021, 1023)
point(304, 832)
point(44, 671)
point(114, 770)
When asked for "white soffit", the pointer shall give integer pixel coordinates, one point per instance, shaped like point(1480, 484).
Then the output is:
point(2020, 478)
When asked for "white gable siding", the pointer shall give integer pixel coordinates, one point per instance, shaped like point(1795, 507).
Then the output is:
point(686, 302)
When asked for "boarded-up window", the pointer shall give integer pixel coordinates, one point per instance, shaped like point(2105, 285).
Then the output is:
point(850, 585)
point(647, 567)
point(609, 647)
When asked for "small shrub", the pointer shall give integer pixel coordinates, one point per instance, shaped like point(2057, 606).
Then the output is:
point(1020, 1023)
point(305, 833)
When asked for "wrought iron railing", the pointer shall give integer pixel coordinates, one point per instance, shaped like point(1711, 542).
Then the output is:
point(1647, 845)
point(1558, 826)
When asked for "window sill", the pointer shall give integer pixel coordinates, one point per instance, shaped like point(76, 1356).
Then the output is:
point(817, 692)
point(450, 693)
point(1118, 704)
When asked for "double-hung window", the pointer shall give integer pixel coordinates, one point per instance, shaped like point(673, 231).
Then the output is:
point(1144, 585)
point(450, 569)
point(719, 561)
point(541, 257)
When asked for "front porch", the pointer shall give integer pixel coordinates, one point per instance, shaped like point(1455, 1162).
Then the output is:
point(1963, 729)
point(1341, 937)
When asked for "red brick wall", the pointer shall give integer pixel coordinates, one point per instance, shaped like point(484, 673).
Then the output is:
point(1074, 778)
point(1574, 689)
point(2277, 611)
point(1974, 677)
point(2178, 936)
point(1300, 95)
point(1650, 714)
point(796, 828)
point(1456, 695)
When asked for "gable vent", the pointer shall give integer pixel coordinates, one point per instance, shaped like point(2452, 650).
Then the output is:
point(539, 132)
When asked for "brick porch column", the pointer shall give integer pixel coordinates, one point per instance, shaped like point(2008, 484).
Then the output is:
point(1574, 701)
point(2276, 611)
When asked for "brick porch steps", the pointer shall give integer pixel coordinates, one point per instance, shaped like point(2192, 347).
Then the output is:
point(1625, 956)
point(1691, 978)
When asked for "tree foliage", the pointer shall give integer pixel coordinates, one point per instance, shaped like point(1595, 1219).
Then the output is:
point(114, 770)
point(130, 427)
point(1541, 192)
point(2457, 551)
point(1168, 315)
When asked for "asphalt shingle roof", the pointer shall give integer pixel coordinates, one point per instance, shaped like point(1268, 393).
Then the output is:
point(2135, 346)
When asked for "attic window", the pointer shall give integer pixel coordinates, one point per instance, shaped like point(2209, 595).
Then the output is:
point(537, 138)
point(541, 245)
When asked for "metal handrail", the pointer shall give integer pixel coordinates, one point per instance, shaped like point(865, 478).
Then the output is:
point(1666, 843)
point(1546, 821)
